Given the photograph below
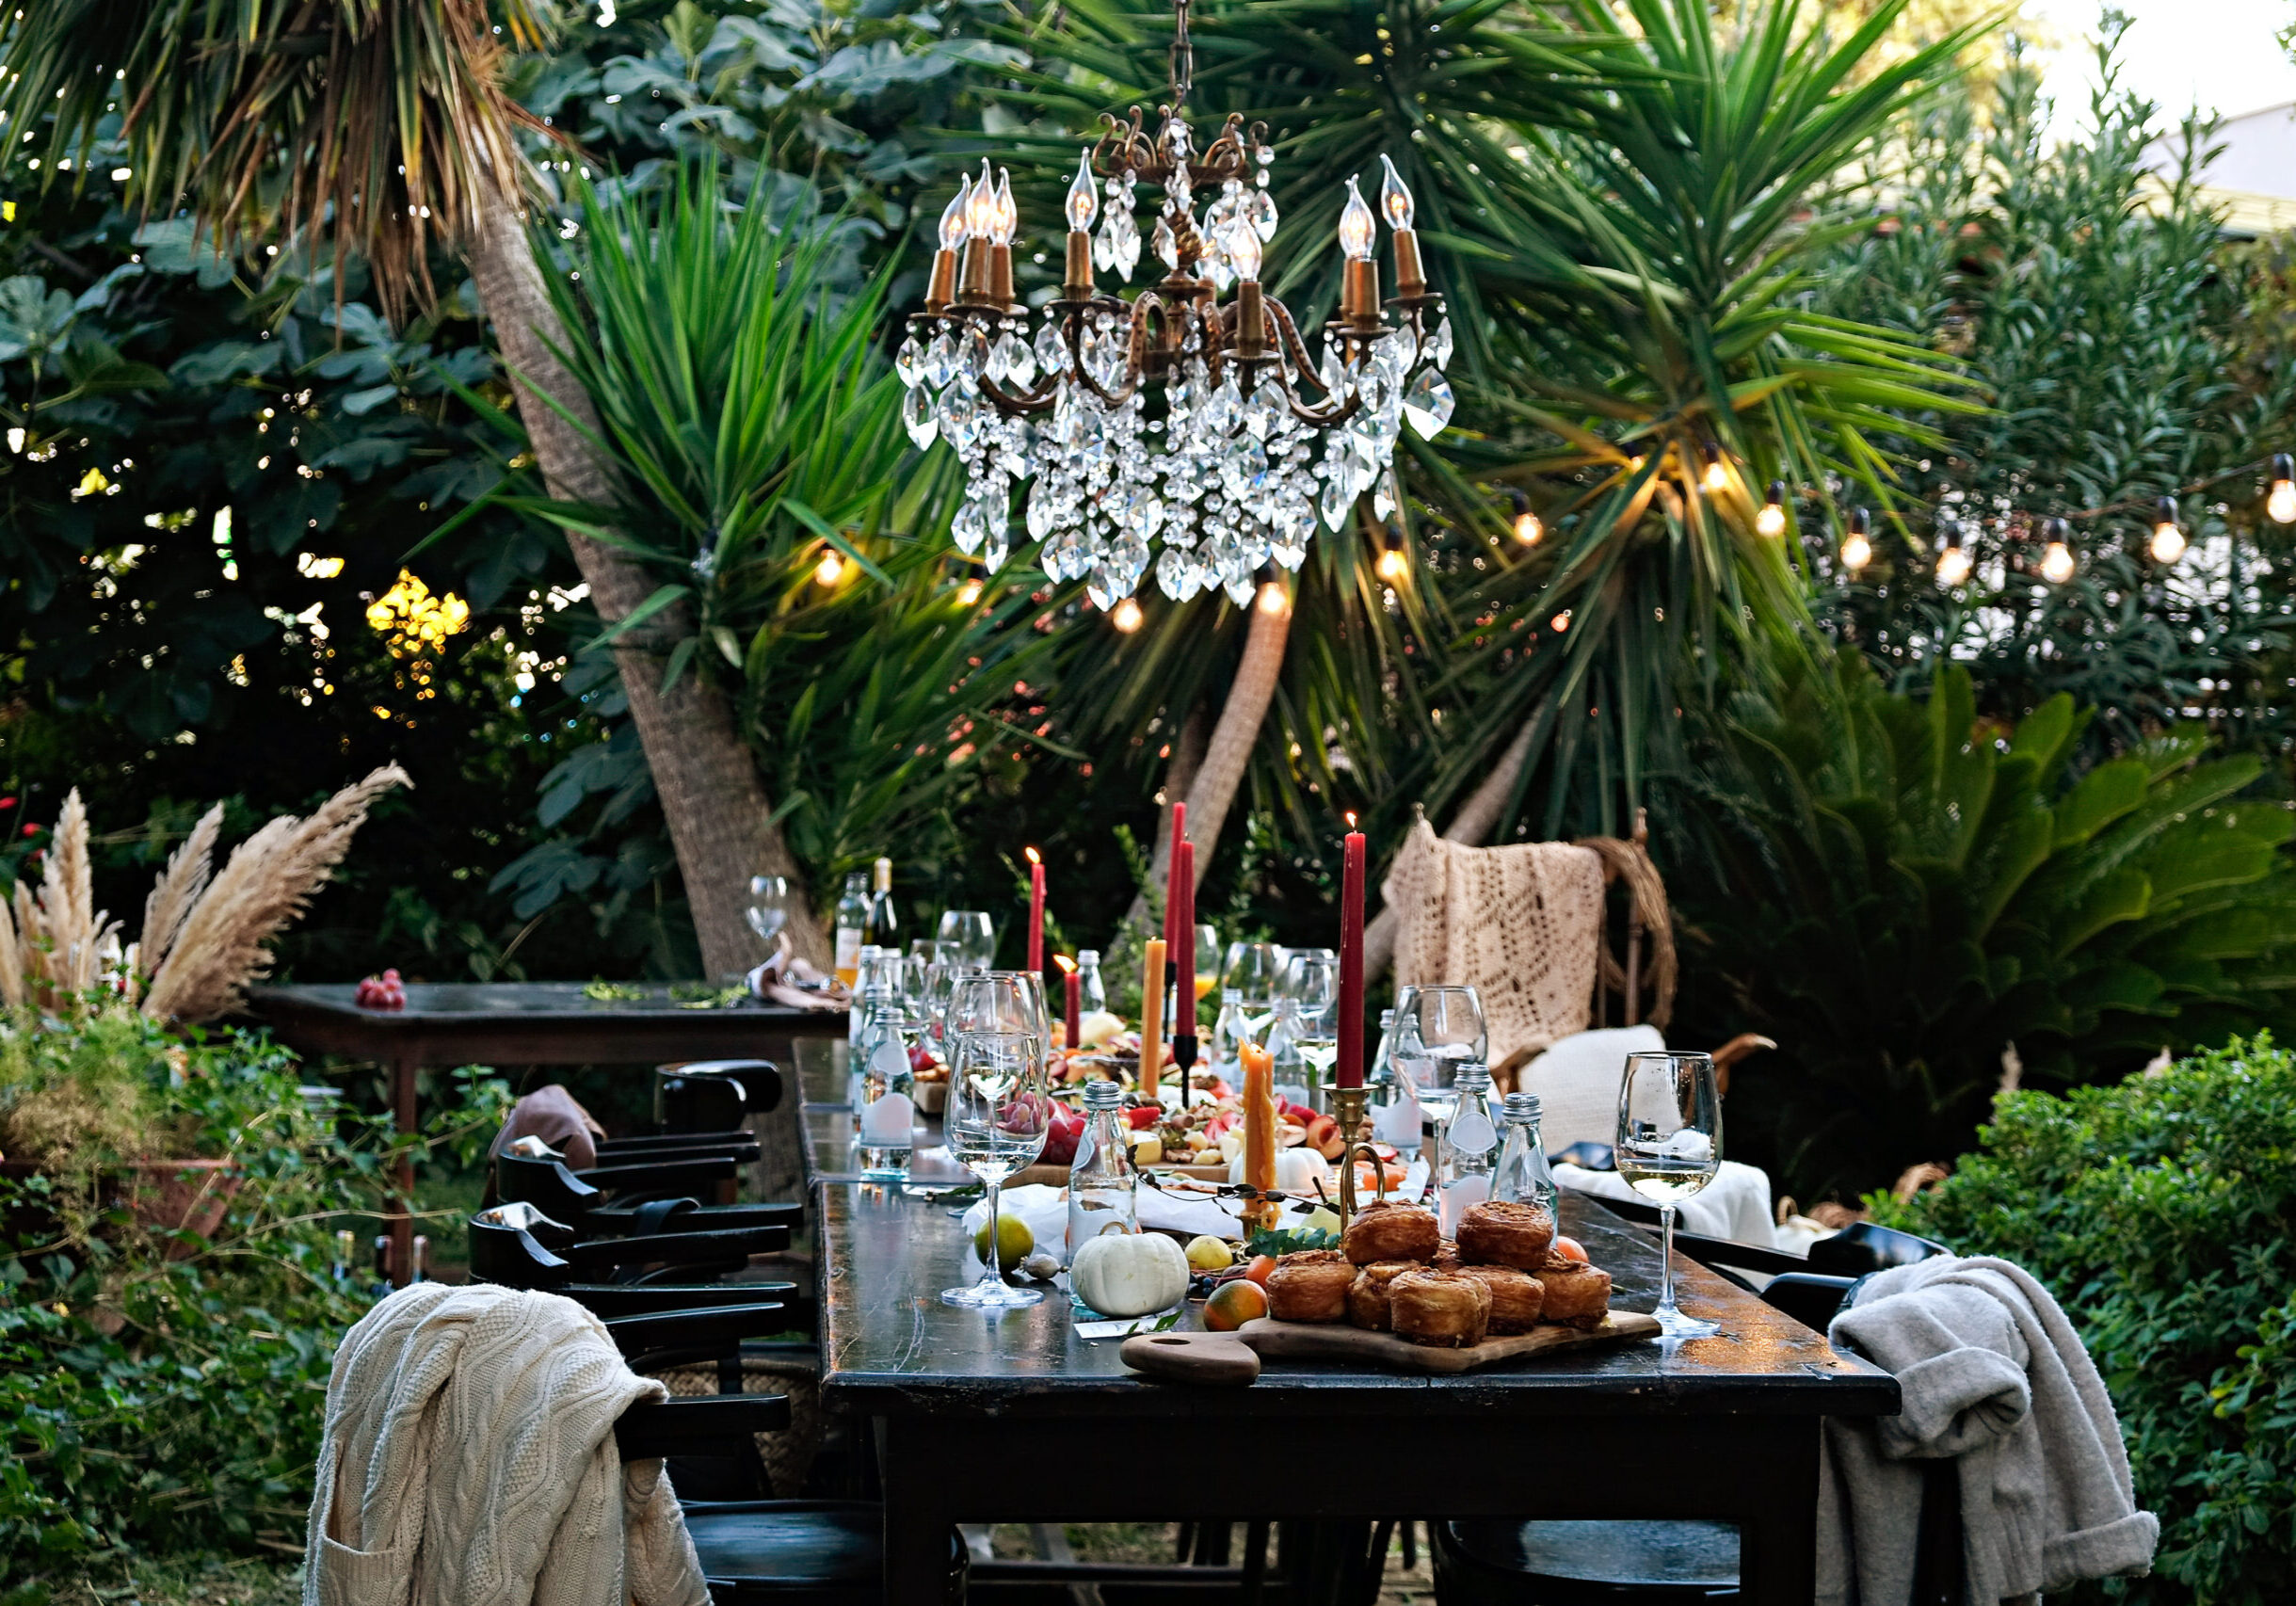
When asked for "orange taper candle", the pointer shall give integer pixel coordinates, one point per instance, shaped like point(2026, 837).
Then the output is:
point(1259, 1125)
point(1151, 1019)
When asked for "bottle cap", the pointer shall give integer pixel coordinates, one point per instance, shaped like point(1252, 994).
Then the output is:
point(1104, 1095)
point(1387, 1019)
point(1473, 1078)
point(1522, 1107)
point(1086, 957)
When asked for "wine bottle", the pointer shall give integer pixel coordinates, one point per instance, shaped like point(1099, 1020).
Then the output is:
point(884, 919)
point(852, 927)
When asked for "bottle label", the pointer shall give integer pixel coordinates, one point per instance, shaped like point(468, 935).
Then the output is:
point(889, 1062)
point(848, 951)
point(886, 1122)
point(1472, 1132)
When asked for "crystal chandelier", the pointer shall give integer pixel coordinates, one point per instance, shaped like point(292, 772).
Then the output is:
point(1172, 417)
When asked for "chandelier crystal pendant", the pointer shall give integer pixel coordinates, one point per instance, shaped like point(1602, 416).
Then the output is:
point(1173, 417)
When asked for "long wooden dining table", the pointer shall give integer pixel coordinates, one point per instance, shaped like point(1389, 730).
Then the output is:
point(1014, 1417)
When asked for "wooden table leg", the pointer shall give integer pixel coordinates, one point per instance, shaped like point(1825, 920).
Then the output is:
point(918, 1516)
point(1778, 1538)
point(404, 1114)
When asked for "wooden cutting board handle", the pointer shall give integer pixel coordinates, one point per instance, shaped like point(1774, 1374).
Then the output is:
point(1219, 1358)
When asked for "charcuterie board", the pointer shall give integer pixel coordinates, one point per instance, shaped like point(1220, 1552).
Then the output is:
point(1220, 1358)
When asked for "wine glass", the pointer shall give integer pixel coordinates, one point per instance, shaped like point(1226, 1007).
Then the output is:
point(768, 910)
point(1001, 1000)
point(1669, 1147)
point(1311, 1001)
point(948, 973)
point(1254, 970)
point(916, 975)
point(1439, 1032)
point(1207, 963)
point(1000, 1108)
point(975, 936)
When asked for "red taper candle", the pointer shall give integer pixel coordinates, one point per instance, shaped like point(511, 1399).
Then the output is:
point(1035, 912)
point(1183, 934)
point(1348, 1071)
point(1171, 879)
point(1074, 1016)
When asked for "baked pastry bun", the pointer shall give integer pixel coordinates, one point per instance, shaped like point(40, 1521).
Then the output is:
point(1447, 1257)
point(1310, 1285)
point(1516, 1297)
point(1578, 1295)
point(1441, 1309)
point(1515, 1235)
point(1390, 1233)
point(1367, 1296)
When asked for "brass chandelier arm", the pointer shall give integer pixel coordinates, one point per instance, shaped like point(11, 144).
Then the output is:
point(1337, 410)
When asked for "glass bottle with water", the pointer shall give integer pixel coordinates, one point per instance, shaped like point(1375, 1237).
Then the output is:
point(1103, 1181)
point(1396, 1117)
point(1523, 1176)
point(865, 960)
point(1466, 1148)
point(883, 1088)
point(1092, 992)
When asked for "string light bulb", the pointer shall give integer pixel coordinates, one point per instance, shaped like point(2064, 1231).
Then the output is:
point(2056, 563)
point(1274, 599)
point(1857, 550)
point(1771, 520)
point(830, 570)
point(1394, 565)
point(1357, 225)
point(1953, 557)
point(1083, 196)
point(2281, 503)
point(1125, 616)
point(1527, 526)
point(1714, 476)
point(2168, 537)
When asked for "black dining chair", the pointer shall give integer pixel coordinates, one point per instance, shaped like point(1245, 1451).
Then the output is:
point(1674, 1563)
point(708, 1096)
point(633, 1199)
point(517, 1245)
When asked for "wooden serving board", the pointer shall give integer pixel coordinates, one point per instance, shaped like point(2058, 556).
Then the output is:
point(1336, 1341)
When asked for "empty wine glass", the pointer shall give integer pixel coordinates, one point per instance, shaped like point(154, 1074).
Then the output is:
point(1000, 1108)
point(972, 931)
point(941, 982)
point(1001, 1000)
point(1309, 1006)
point(768, 910)
point(1439, 1032)
point(1669, 1147)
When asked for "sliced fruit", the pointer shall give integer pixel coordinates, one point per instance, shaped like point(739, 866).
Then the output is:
point(1144, 1115)
point(1323, 1137)
point(1232, 1304)
point(1290, 1134)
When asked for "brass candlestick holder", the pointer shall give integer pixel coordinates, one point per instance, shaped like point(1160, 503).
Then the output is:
point(1348, 1105)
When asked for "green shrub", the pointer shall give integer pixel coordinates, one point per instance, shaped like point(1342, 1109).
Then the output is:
point(1897, 891)
point(159, 1391)
point(2163, 1213)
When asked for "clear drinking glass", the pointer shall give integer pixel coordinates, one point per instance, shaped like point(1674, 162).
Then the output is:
point(768, 910)
point(1001, 1000)
point(999, 1109)
point(972, 931)
point(1669, 1147)
point(1311, 997)
point(1253, 969)
point(940, 985)
point(1439, 1032)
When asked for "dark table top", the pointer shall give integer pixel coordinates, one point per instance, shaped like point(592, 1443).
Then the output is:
point(528, 1022)
point(890, 1347)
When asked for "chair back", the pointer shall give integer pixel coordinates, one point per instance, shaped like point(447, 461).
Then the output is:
point(692, 1100)
point(546, 1185)
point(1863, 1247)
point(761, 1079)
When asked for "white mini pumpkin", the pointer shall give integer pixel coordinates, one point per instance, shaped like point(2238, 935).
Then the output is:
point(1297, 1170)
point(1128, 1273)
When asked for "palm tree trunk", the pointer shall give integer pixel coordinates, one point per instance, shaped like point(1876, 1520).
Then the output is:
point(1187, 759)
point(712, 798)
point(1469, 827)
point(1230, 752)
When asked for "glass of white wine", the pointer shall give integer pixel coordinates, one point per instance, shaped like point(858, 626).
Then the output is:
point(999, 1109)
point(1439, 1032)
point(1669, 1147)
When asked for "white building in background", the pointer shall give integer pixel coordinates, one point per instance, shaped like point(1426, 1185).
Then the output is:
point(2252, 176)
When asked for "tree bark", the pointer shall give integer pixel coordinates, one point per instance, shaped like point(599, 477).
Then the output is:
point(1469, 827)
point(1187, 759)
point(712, 796)
point(1230, 752)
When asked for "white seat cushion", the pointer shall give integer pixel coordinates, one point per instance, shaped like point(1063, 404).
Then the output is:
point(1577, 1083)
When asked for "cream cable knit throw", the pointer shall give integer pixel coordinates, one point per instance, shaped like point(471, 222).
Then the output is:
point(1522, 925)
point(1993, 1378)
point(469, 1460)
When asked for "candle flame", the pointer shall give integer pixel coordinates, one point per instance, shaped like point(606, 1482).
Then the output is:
point(1064, 962)
point(1032, 857)
point(1351, 819)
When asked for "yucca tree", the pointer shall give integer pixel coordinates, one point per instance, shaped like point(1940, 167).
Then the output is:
point(382, 129)
point(764, 484)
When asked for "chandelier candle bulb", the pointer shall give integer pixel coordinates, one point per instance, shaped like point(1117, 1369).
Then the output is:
point(980, 224)
point(1152, 1019)
point(1036, 911)
point(943, 288)
point(1771, 520)
point(1359, 290)
point(1395, 201)
point(1347, 1070)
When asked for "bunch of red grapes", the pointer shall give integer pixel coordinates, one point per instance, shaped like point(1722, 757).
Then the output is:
point(385, 992)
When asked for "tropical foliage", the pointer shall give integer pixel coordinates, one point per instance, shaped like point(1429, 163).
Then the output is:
point(1912, 900)
point(2143, 1205)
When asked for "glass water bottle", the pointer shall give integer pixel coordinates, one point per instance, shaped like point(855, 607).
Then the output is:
point(1102, 1181)
point(1396, 1117)
point(1467, 1148)
point(1092, 992)
point(1523, 1176)
point(883, 1088)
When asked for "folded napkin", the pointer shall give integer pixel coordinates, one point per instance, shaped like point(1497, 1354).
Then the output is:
point(785, 979)
point(1735, 1205)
